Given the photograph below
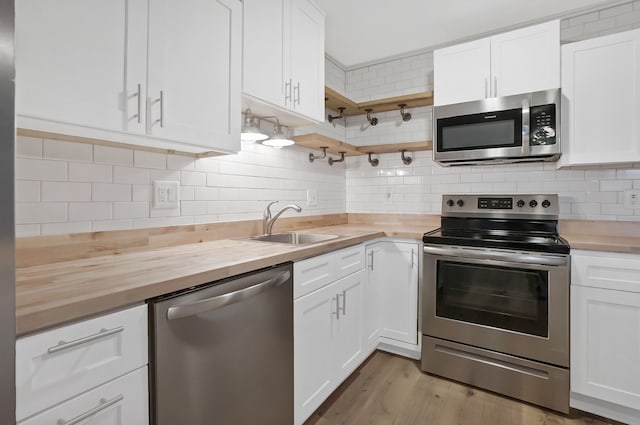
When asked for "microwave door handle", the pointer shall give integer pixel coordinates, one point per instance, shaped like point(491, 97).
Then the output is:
point(498, 256)
point(526, 124)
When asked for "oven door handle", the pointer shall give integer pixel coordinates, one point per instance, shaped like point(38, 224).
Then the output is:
point(498, 256)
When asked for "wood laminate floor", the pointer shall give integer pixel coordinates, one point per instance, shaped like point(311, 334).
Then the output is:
point(392, 390)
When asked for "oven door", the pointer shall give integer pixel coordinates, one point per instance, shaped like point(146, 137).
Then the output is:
point(511, 302)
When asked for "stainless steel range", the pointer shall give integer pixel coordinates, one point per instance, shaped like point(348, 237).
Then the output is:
point(495, 300)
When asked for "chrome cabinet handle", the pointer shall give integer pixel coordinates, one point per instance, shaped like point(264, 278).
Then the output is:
point(498, 256)
point(337, 312)
point(371, 264)
point(412, 260)
point(64, 345)
point(197, 307)
point(161, 101)
point(344, 302)
point(104, 403)
point(486, 87)
point(296, 88)
point(495, 86)
point(139, 95)
point(287, 91)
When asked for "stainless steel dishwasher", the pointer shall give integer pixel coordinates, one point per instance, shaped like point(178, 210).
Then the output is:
point(223, 353)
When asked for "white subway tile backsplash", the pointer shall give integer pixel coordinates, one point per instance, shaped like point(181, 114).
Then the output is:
point(89, 211)
point(27, 230)
point(73, 227)
point(107, 225)
point(193, 178)
point(111, 192)
point(28, 147)
point(41, 212)
point(65, 191)
point(27, 191)
point(193, 207)
point(180, 162)
point(615, 185)
point(145, 159)
point(142, 192)
point(91, 173)
point(112, 156)
point(123, 210)
point(67, 151)
point(41, 170)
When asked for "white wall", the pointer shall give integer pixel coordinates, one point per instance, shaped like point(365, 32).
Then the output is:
point(585, 193)
point(64, 187)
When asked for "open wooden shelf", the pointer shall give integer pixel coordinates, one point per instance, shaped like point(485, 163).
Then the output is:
point(334, 100)
point(314, 141)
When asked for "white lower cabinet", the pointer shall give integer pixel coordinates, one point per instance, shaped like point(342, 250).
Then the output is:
point(57, 368)
point(328, 342)
point(343, 312)
point(123, 401)
point(392, 291)
point(605, 334)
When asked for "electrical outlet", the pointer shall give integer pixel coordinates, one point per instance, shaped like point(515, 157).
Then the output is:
point(312, 197)
point(632, 199)
point(166, 194)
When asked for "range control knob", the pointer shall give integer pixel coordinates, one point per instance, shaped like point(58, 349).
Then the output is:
point(450, 202)
point(460, 202)
point(520, 203)
point(546, 203)
point(533, 203)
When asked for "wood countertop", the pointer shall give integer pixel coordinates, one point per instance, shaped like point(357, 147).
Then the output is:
point(52, 294)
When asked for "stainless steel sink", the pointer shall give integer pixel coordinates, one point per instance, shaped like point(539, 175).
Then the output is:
point(294, 238)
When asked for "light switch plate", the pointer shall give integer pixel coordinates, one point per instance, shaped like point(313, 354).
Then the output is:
point(388, 196)
point(632, 199)
point(312, 197)
point(166, 194)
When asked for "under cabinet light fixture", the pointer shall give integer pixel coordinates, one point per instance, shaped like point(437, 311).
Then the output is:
point(251, 128)
point(278, 139)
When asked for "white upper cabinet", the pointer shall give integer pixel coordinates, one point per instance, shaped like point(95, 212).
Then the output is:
point(80, 62)
point(462, 72)
point(96, 68)
point(283, 69)
point(601, 100)
point(520, 61)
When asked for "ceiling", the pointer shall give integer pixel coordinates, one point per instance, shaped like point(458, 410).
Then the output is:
point(360, 32)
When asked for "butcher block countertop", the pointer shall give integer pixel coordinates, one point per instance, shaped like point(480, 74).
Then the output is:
point(69, 277)
point(51, 294)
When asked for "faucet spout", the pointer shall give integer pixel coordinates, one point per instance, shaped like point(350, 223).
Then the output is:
point(268, 221)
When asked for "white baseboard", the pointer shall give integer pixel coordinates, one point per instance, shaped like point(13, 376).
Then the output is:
point(403, 349)
point(605, 409)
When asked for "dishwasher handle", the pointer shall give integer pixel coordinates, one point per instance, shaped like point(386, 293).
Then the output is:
point(186, 310)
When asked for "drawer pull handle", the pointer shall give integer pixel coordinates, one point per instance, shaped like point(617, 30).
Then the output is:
point(104, 403)
point(63, 345)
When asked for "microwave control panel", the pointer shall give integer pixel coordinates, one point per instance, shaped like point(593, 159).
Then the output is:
point(542, 128)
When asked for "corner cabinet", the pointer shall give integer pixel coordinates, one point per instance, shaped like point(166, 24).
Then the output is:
point(392, 292)
point(130, 72)
point(500, 65)
point(605, 334)
point(601, 100)
point(283, 69)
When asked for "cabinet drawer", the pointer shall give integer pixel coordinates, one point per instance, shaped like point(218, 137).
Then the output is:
point(312, 274)
point(61, 363)
point(606, 270)
point(123, 401)
point(349, 260)
point(316, 272)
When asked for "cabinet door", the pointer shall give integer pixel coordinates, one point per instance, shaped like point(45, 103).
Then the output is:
point(307, 60)
point(263, 50)
point(373, 294)
point(462, 72)
point(526, 60)
point(123, 401)
point(348, 343)
point(396, 280)
point(601, 93)
point(195, 49)
point(605, 344)
point(81, 62)
point(313, 335)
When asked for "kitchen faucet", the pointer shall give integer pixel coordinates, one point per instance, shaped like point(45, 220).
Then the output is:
point(267, 221)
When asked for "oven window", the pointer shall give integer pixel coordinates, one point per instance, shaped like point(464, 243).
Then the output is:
point(501, 297)
point(479, 131)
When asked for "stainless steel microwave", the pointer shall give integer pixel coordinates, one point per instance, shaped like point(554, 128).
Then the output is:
point(523, 127)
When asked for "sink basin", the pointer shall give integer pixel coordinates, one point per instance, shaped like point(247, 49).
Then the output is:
point(294, 238)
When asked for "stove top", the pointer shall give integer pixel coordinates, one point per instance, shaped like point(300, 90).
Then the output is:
point(515, 222)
